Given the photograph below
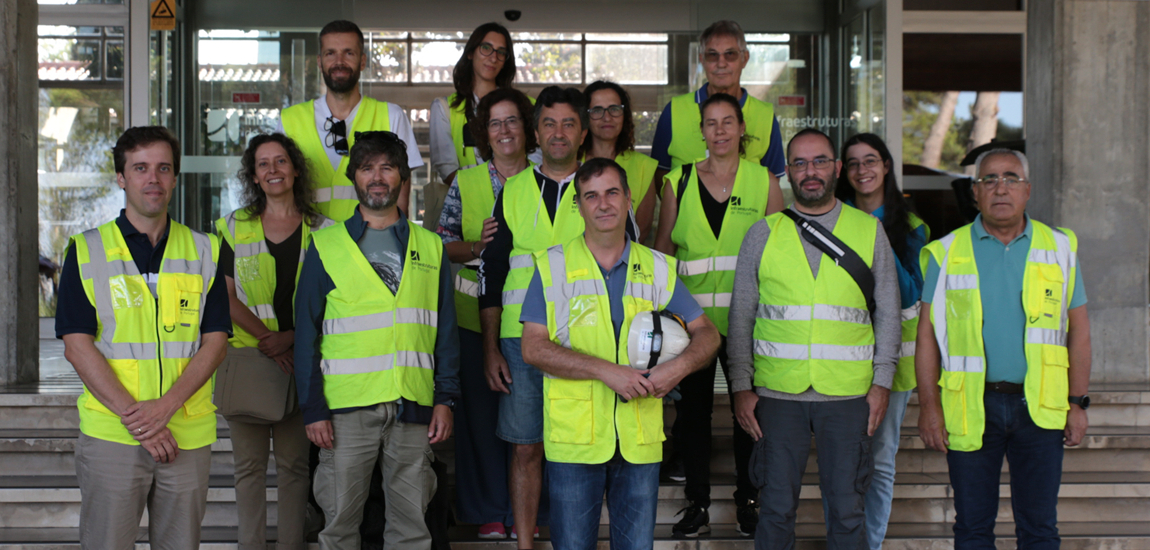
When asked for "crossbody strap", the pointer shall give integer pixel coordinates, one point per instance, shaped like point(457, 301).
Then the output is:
point(843, 255)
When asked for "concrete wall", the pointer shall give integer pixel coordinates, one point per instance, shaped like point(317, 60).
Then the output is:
point(1088, 138)
point(19, 330)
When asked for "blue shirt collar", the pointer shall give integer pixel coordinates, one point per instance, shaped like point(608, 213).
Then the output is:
point(702, 95)
point(622, 259)
point(356, 225)
point(980, 231)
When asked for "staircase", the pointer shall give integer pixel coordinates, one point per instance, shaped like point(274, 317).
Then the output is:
point(1104, 501)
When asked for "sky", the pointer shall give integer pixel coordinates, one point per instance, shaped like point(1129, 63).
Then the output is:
point(1009, 107)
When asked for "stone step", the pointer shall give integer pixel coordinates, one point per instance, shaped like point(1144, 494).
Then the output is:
point(809, 536)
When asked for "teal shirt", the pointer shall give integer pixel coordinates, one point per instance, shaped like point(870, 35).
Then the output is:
point(1000, 271)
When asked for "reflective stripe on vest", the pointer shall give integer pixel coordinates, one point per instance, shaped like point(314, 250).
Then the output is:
point(814, 332)
point(1047, 288)
point(532, 230)
point(687, 143)
point(334, 193)
point(707, 263)
point(148, 339)
point(378, 346)
point(904, 377)
point(583, 419)
point(478, 200)
point(255, 269)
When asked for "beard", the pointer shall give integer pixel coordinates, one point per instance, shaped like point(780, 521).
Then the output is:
point(341, 86)
point(817, 198)
point(376, 202)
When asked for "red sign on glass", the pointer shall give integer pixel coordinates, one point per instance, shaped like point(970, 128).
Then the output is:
point(245, 97)
point(792, 101)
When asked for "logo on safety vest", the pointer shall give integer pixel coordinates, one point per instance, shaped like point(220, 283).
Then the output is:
point(184, 301)
point(736, 201)
point(737, 207)
point(423, 266)
point(415, 255)
point(638, 275)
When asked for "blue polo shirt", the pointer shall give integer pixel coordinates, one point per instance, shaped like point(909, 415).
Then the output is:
point(681, 304)
point(1000, 271)
point(775, 160)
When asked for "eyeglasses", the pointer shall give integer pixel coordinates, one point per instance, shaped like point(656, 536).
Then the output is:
point(486, 49)
point(511, 123)
point(870, 163)
point(598, 112)
point(820, 163)
point(336, 135)
point(732, 56)
point(990, 183)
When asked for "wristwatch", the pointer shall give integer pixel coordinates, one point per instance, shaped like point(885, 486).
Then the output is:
point(1080, 400)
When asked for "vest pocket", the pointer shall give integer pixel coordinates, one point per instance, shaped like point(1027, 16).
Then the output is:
point(953, 401)
point(1051, 291)
point(649, 415)
point(1055, 378)
point(570, 411)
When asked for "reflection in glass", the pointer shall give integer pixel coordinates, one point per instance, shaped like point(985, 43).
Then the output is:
point(625, 37)
point(434, 61)
point(627, 64)
point(548, 63)
point(519, 36)
point(386, 62)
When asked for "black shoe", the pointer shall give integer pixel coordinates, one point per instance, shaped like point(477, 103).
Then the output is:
point(747, 517)
point(696, 520)
point(672, 470)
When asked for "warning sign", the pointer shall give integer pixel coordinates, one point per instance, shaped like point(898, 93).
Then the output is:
point(163, 15)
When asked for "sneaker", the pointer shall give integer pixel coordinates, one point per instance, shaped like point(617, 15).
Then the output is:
point(747, 517)
point(515, 534)
point(492, 531)
point(672, 470)
point(696, 520)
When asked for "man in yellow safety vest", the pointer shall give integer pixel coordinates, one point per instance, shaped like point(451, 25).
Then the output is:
point(325, 128)
point(603, 419)
point(1003, 357)
point(144, 317)
point(814, 334)
point(376, 353)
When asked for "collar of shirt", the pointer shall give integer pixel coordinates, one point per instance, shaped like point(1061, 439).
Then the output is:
point(702, 95)
point(323, 112)
point(620, 264)
point(981, 234)
point(569, 178)
point(129, 231)
point(356, 226)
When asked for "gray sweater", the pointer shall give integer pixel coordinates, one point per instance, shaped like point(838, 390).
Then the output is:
point(887, 320)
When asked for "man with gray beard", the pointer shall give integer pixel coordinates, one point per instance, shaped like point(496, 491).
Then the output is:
point(813, 347)
point(376, 352)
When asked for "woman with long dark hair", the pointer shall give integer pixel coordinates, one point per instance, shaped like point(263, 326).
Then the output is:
point(262, 243)
point(708, 206)
point(867, 182)
point(487, 63)
point(612, 135)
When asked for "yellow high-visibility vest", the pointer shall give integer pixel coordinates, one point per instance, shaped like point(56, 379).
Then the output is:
point(707, 263)
point(814, 332)
point(904, 378)
point(956, 311)
point(148, 341)
point(463, 154)
point(255, 268)
point(334, 193)
point(687, 145)
point(532, 231)
point(378, 346)
point(582, 419)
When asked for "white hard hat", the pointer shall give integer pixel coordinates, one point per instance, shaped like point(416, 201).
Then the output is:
point(655, 338)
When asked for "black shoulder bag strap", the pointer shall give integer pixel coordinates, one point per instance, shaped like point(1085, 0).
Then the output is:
point(682, 188)
point(843, 255)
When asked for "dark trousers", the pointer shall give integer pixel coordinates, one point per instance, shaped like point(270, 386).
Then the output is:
point(1035, 456)
point(481, 458)
point(692, 435)
point(845, 469)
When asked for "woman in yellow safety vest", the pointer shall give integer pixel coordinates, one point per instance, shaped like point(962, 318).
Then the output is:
point(867, 182)
point(612, 135)
point(487, 64)
point(262, 245)
point(707, 209)
point(502, 130)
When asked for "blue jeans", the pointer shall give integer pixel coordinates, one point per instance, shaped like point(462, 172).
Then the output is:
point(577, 498)
point(521, 411)
point(884, 447)
point(1035, 456)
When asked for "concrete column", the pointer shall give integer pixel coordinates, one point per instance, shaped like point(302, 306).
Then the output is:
point(19, 241)
point(1088, 139)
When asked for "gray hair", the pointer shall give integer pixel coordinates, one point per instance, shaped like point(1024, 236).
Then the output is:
point(1002, 151)
point(726, 27)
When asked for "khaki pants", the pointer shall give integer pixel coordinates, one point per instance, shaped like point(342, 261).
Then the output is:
point(344, 473)
point(117, 482)
point(250, 448)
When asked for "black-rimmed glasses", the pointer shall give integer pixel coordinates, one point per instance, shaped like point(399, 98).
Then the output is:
point(598, 112)
point(486, 49)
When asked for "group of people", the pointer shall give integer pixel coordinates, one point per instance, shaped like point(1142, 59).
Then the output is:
point(337, 322)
